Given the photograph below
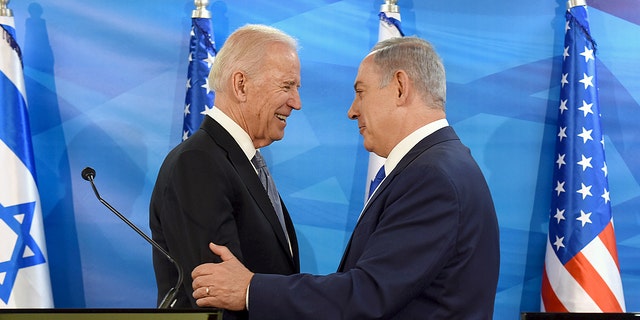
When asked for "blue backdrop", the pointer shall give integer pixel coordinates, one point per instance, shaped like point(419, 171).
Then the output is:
point(106, 84)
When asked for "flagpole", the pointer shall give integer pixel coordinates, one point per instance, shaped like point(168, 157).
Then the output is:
point(575, 3)
point(390, 6)
point(201, 9)
point(4, 10)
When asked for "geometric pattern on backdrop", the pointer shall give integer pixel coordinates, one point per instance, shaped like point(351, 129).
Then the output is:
point(497, 74)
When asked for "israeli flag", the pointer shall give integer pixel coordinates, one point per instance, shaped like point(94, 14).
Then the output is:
point(24, 271)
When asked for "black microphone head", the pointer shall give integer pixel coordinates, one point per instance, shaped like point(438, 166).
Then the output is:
point(88, 173)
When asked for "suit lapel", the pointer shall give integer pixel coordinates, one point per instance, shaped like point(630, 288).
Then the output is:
point(438, 136)
point(443, 134)
point(247, 173)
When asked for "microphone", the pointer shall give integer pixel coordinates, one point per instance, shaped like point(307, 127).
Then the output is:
point(169, 299)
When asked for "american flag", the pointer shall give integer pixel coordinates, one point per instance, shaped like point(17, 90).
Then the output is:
point(202, 52)
point(581, 272)
point(388, 28)
point(24, 271)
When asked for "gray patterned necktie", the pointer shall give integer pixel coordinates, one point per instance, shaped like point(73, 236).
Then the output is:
point(270, 187)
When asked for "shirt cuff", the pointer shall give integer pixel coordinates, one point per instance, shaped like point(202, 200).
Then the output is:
point(246, 298)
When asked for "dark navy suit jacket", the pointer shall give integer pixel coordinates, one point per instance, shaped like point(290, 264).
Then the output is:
point(426, 247)
point(208, 191)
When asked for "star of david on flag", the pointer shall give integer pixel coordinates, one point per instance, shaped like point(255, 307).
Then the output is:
point(199, 97)
point(581, 272)
point(24, 272)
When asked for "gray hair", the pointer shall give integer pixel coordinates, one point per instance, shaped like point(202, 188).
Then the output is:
point(245, 50)
point(418, 59)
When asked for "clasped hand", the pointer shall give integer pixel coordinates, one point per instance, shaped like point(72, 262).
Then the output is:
point(222, 285)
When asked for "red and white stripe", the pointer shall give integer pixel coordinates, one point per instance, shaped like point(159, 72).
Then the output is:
point(589, 282)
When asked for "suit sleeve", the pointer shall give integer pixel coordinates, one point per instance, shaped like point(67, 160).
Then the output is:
point(402, 242)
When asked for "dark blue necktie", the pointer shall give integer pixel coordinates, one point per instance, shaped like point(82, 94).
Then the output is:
point(376, 181)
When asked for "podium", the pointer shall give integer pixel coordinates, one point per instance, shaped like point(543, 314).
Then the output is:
point(110, 314)
point(578, 316)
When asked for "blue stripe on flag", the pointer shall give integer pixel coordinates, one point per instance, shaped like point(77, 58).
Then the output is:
point(14, 122)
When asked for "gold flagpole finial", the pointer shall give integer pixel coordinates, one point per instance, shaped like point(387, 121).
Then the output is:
point(575, 3)
point(4, 10)
point(390, 6)
point(201, 9)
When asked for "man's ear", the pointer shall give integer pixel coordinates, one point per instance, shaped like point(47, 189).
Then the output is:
point(239, 85)
point(403, 86)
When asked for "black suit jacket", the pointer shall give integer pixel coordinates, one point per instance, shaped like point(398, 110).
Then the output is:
point(426, 247)
point(208, 191)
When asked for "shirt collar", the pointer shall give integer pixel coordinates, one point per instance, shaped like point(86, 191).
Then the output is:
point(238, 134)
point(402, 148)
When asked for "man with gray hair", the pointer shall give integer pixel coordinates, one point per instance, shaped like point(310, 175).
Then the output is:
point(214, 186)
point(426, 245)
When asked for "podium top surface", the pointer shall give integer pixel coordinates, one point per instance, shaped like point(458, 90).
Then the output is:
point(110, 314)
